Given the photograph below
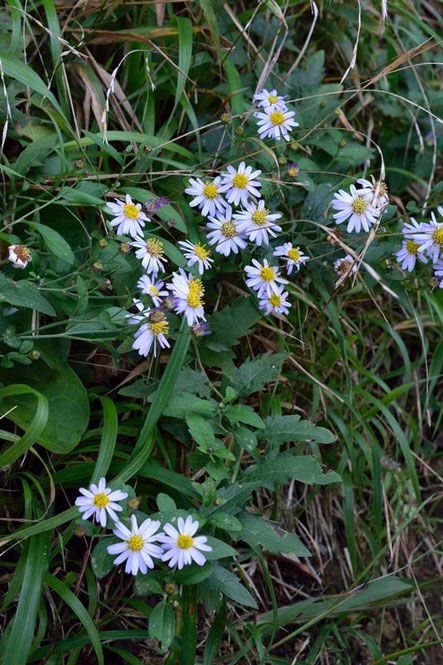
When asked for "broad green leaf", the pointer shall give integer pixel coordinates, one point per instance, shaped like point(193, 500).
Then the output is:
point(102, 562)
point(194, 382)
point(222, 580)
point(256, 373)
point(220, 549)
point(179, 405)
point(243, 414)
point(224, 521)
point(287, 467)
point(68, 404)
point(283, 429)
point(162, 624)
point(200, 430)
point(257, 530)
point(55, 242)
point(24, 294)
point(245, 438)
point(230, 324)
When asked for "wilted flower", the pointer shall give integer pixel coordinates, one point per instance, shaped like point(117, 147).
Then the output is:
point(345, 266)
point(19, 255)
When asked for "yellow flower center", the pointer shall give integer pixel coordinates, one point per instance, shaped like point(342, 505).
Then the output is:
point(184, 542)
point(228, 229)
point(277, 118)
point(195, 293)
point(294, 254)
point(275, 300)
point(412, 247)
point(344, 267)
point(154, 247)
point(131, 211)
point(240, 181)
point(159, 327)
point(135, 543)
point(267, 274)
point(293, 171)
point(259, 217)
point(202, 252)
point(381, 187)
point(437, 237)
point(23, 253)
point(101, 500)
point(210, 191)
point(153, 290)
point(272, 99)
point(359, 205)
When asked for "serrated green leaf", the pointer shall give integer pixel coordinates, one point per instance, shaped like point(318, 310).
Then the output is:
point(287, 467)
point(256, 530)
point(255, 373)
point(230, 324)
point(284, 429)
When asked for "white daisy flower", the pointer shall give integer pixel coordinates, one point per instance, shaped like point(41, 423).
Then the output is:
point(152, 288)
point(257, 222)
point(207, 195)
point(150, 252)
point(275, 124)
point(129, 217)
point(374, 191)
point(270, 98)
point(225, 234)
point(196, 254)
point(345, 266)
point(188, 296)
point(99, 501)
point(275, 303)
point(138, 546)
point(152, 331)
point(241, 184)
point(408, 255)
point(263, 278)
point(19, 255)
point(430, 237)
point(293, 256)
point(409, 230)
point(181, 545)
point(355, 207)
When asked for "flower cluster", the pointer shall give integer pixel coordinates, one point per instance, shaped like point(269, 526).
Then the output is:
point(423, 241)
point(140, 544)
point(275, 120)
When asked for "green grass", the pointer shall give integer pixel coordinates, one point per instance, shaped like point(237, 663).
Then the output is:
point(205, 428)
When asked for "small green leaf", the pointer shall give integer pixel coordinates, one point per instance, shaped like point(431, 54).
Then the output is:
point(24, 294)
point(287, 467)
point(200, 430)
point(102, 562)
point(255, 373)
point(54, 242)
point(225, 522)
point(222, 580)
point(162, 624)
point(243, 414)
point(258, 531)
point(284, 429)
point(220, 549)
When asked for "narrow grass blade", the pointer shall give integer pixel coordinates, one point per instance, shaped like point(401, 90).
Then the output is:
point(35, 428)
point(108, 440)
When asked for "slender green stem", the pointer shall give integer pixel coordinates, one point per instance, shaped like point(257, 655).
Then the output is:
point(189, 632)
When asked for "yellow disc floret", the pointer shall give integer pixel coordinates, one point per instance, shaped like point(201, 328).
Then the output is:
point(131, 211)
point(101, 500)
point(159, 328)
point(272, 99)
point(135, 543)
point(153, 291)
point(275, 300)
point(267, 274)
point(294, 254)
point(437, 237)
point(277, 118)
point(23, 253)
point(240, 181)
point(359, 205)
point(195, 293)
point(184, 542)
point(228, 229)
point(154, 247)
point(380, 187)
point(202, 252)
point(210, 191)
point(259, 217)
point(412, 247)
